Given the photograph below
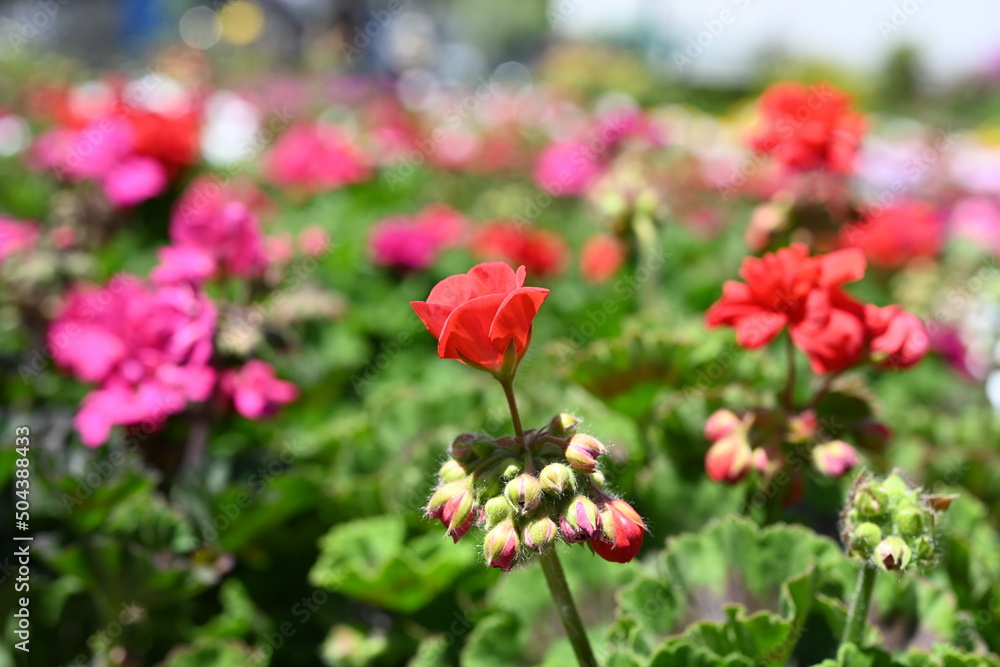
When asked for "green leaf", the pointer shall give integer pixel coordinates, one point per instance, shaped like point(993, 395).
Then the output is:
point(371, 560)
point(496, 641)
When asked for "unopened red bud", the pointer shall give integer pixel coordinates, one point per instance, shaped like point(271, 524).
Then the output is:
point(452, 471)
point(834, 458)
point(803, 427)
point(729, 459)
point(501, 545)
point(580, 521)
point(721, 424)
point(524, 492)
point(564, 425)
point(556, 478)
point(444, 493)
point(582, 452)
point(540, 534)
point(622, 531)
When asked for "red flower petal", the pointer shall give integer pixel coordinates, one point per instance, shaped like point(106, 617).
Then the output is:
point(514, 317)
point(466, 333)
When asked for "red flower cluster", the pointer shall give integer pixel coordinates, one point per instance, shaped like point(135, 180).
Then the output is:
point(541, 251)
point(790, 288)
point(892, 236)
point(808, 128)
point(477, 315)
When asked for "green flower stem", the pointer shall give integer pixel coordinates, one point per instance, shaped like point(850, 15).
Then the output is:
point(790, 386)
point(570, 617)
point(508, 390)
point(858, 615)
point(554, 575)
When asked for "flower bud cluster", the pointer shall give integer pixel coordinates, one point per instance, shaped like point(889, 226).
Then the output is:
point(530, 493)
point(732, 456)
point(891, 524)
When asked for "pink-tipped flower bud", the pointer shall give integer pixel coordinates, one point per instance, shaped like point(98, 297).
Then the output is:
point(564, 425)
point(834, 458)
point(763, 462)
point(452, 471)
point(892, 553)
point(803, 427)
point(721, 424)
point(501, 545)
point(540, 534)
point(453, 505)
point(556, 478)
point(622, 531)
point(524, 492)
point(580, 521)
point(729, 459)
point(582, 452)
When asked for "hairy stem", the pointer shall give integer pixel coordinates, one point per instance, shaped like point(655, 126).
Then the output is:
point(858, 615)
point(568, 613)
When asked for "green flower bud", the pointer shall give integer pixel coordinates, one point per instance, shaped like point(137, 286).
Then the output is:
point(925, 549)
point(909, 521)
point(487, 485)
point(524, 492)
point(871, 501)
point(895, 486)
point(452, 471)
point(892, 553)
point(510, 468)
point(556, 478)
point(564, 425)
point(540, 534)
point(497, 510)
point(864, 539)
point(597, 477)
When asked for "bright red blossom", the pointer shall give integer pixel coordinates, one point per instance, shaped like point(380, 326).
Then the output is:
point(808, 128)
point(601, 257)
point(790, 288)
point(477, 316)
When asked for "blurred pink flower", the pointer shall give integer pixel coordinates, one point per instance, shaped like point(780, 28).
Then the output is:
point(567, 168)
point(134, 180)
point(217, 220)
point(314, 241)
point(316, 157)
point(415, 242)
point(255, 390)
point(977, 218)
point(181, 264)
point(147, 348)
point(16, 236)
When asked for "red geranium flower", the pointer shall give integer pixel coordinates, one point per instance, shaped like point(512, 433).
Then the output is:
point(541, 251)
point(478, 315)
point(893, 236)
point(788, 287)
point(622, 532)
point(601, 257)
point(897, 339)
point(808, 128)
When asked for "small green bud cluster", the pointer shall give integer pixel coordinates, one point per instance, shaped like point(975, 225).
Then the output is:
point(891, 524)
point(527, 493)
